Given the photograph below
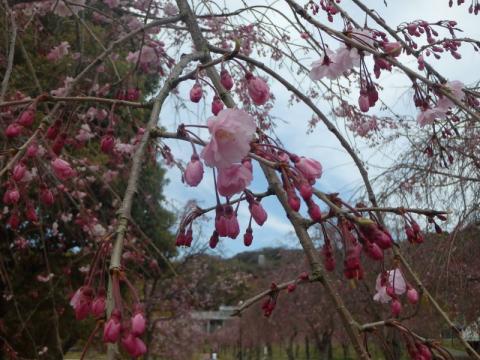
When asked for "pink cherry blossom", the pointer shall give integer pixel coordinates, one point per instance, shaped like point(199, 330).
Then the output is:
point(233, 179)
point(27, 117)
point(59, 51)
point(412, 296)
point(231, 132)
point(60, 8)
point(193, 174)
point(309, 168)
point(392, 278)
point(325, 67)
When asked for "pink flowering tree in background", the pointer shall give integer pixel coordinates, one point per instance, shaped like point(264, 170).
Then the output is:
point(67, 137)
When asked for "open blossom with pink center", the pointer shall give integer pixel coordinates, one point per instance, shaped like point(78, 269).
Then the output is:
point(257, 89)
point(231, 131)
point(325, 67)
point(59, 51)
point(309, 168)
point(233, 179)
point(62, 169)
point(194, 171)
point(333, 65)
point(391, 279)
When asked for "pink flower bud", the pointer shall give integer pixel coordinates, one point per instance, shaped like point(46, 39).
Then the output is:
point(364, 103)
point(306, 191)
point(196, 93)
point(226, 79)
point(59, 143)
point(396, 308)
point(233, 228)
point(221, 222)
point(31, 214)
point(133, 94)
point(46, 197)
point(328, 259)
point(257, 89)
point(258, 212)
point(373, 251)
point(217, 105)
point(194, 171)
point(14, 221)
point(82, 302)
point(11, 196)
point(314, 211)
point(112, 328)
point(188, 238)
point(412, 296)
point(133, 345)
point(13, 130)
point(98, 305)
point(107, 143)
point(53, 130)
point(291, 288)
point(138, 322)
point(213, 240)
point(293, 201)
point(19, 171)
point(248, 237)
point(32, 150)
point(62, 169)
point(27, 117)
point(392, 48)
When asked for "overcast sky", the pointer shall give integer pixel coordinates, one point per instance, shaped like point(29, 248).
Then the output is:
point(340, 175)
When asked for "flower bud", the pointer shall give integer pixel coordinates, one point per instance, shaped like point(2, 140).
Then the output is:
point(396, 308)
point(258, 212)
point(19, 171)
point(213, 240)
point(27, 117)
point(13, 130)
point(217, 105)
point(138, 322)
point(248, 237)
point(107, 143)
point(196, 93)
point(257, 89)
point(193, 174)
point(112, 328)
point(98, 305)
point(364, 103)
point(226, 79)
point(412, 296)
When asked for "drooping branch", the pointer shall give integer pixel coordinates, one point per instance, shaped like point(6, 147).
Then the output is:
point(409, 72)
point(295, 218)
point(137, 161)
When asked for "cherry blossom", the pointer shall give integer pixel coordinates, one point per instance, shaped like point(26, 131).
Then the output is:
point(231, 131)
point(233, 179)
